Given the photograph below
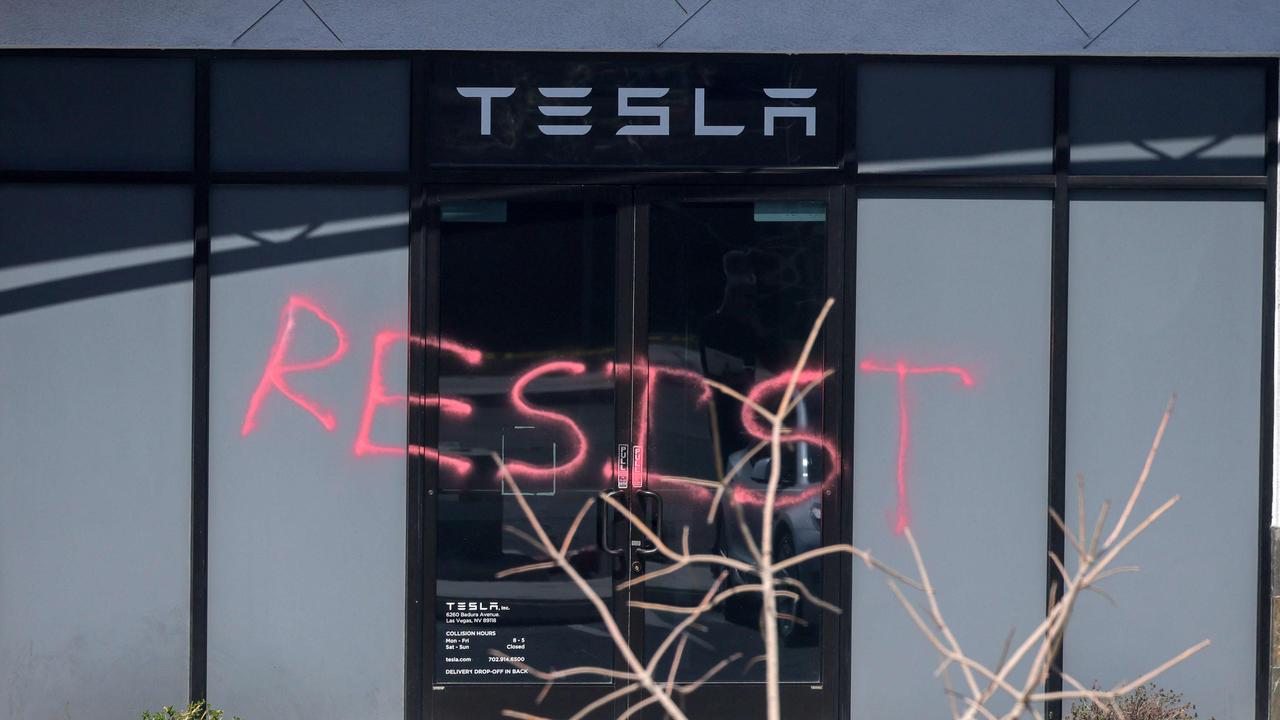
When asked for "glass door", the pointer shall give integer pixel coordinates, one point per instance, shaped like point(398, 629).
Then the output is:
point(526, 291)
point(729, 285)
point(571, 331)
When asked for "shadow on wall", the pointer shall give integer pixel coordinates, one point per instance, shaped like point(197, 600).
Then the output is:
point(998, 118)
point(62, 243)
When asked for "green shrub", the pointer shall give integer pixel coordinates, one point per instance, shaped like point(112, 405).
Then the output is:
point(1146, 703)
point(198, 710)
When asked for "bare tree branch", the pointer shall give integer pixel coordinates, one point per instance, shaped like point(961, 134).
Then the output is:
point(983, 685)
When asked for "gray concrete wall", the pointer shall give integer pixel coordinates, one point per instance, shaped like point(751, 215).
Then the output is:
point(1106, 27)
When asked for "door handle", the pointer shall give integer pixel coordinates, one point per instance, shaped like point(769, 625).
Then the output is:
point(651, 504)
point(604, 522)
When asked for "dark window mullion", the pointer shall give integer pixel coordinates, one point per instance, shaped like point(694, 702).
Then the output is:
point(199, 629)
point(1058, 309)
point(1265, 622)
point(419, 569)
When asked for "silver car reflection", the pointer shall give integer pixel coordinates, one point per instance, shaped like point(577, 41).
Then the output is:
point(797, 529)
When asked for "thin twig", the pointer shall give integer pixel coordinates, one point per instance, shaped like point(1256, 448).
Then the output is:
point(1146, 470)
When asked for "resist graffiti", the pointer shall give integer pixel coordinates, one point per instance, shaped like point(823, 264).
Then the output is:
point(281, 364)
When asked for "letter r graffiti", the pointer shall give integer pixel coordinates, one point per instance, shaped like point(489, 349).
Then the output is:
point(273, 375)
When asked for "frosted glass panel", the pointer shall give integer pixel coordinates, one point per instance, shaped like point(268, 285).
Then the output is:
point(951, 428)
point(306, 497)
point(95, 449)
point(1166, 296)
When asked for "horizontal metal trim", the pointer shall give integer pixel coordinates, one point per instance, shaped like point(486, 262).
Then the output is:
point(1168, 181)
point(999, 59)
point(166, 177)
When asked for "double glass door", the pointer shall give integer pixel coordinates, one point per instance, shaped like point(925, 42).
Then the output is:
point(570, 333)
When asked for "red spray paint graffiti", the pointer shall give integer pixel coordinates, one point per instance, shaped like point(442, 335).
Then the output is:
point(520, 469)
point(279, 367)
point(757, 429)
point(903, 371)
point(652, 375)
point(273, 376)
point(376, 396)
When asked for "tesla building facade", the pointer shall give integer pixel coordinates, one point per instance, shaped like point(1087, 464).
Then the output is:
point(272, 313)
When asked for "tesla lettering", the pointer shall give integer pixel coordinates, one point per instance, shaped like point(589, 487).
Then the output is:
point(628, 108)
point(559, 111)
point(486, 96)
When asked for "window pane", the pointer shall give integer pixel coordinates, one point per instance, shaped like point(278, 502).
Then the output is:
point(1166, 296)
point(95, 449)
point(734, 288)
point(310, 114)
point(306, 558)
point(96, 113)
point(917, 117)
point(1168, 119)
point(527, 332)
point(951, 428)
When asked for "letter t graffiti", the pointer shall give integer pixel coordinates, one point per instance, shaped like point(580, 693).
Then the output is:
point(902, 370)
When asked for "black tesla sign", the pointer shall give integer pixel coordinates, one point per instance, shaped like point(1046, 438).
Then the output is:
point(634, 111)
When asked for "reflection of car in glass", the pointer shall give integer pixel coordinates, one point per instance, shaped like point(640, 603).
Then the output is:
point(797, 529)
